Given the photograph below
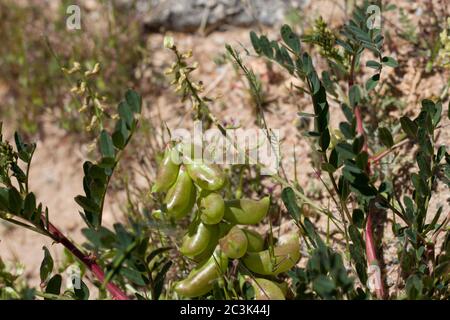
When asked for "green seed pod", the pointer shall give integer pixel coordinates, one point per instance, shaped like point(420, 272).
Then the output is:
point(234, 244)
point(284, 258)
point(181, 196)
point(195, 242)
point(167, 173)
point(267, 290)
point(222, 230)
point(246, 211)
point(201, 279)
point(212, 207)
point(255, 241)
point(284, 287)
point(206, 176)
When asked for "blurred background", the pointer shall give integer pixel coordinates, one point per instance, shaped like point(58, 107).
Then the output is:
point(58, 86)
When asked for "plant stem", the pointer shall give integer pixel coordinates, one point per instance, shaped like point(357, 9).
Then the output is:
point(118, 158)
point(372, 255)
point(90, 263)
point(370, 244)
point(306, 200)
point(399, 141)
point(118, 263)
point(357, 108)
point(28, 169)
point(23, 225)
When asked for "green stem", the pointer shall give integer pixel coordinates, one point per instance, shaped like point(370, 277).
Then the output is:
point(118, 158)
point(27, 226)
point(28, 170)
point(118, 263)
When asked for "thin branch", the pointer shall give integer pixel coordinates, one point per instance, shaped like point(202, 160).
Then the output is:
point(89, 262)
point(370, 244)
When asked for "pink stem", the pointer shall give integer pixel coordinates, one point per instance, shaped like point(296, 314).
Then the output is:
point(90, 263)
point(372, 256)
point(370, 245)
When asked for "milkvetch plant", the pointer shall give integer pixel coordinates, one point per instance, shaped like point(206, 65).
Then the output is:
point(357, 189)
point(217, 233)
point(351, 168)
point(18, 204)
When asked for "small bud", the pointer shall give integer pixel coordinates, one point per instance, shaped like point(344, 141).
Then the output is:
point(91, 147)
point(83, 108)
point(94, 71)
point(92, 124)
point(182, 78)
point(99, 105)
point(187, 54)
point(76, 67)
point(168, 42)
point(81, 88)
point(179, 88)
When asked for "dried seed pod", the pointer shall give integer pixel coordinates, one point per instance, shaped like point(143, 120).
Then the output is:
point(246, 211)
point(181, 196)
point(201, 279)
point(285, 256)
point(234, 244)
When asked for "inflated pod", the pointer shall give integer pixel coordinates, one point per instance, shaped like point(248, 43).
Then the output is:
point(222, 230)
point(181, 196)
point(167, 173)
point(197, 241)
point(284, 257)
point(201, 279)
point(255, 241)
point(284, 287)
point(267, 290)
point(212, 207)
point(234, 244)
point(207, 176)
point(246, 211)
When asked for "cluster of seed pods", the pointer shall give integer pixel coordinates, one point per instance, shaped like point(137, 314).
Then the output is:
point(218, 233)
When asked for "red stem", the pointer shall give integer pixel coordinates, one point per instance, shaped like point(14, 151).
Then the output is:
point(370, 243)
point(375, 159)
point(370, 246)
point(372, 256)
point(359, 125)
point(90, 263)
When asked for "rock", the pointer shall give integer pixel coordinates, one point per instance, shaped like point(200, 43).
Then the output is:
point(190, 15)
